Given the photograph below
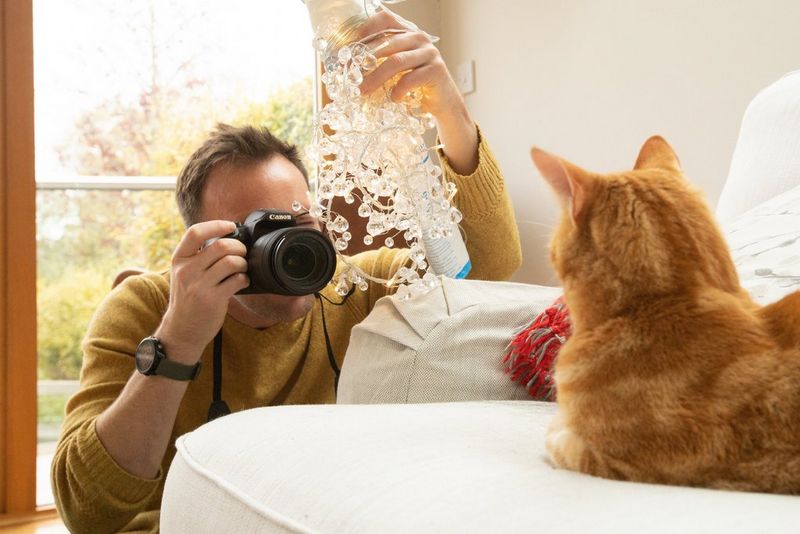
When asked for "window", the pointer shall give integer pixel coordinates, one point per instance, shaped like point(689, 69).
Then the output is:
point(125, 91)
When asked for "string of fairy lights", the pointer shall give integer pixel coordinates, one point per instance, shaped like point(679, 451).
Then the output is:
point(370, 150)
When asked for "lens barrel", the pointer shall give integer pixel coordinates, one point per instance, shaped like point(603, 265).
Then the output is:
point(290, 261)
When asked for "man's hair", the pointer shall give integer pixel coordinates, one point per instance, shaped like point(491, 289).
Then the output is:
point(227, 145)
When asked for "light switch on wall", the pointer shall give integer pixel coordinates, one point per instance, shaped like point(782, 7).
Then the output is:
point(465, 76)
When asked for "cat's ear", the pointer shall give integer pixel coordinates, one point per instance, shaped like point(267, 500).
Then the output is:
point(571, 183)
point(657, 154)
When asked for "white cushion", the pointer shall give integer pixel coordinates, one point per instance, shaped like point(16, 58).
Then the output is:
point(452, 467)
point(765, 245)
point(446, 345)
point(766, 160)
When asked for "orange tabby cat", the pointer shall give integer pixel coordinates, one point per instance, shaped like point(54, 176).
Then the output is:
point(673, 374)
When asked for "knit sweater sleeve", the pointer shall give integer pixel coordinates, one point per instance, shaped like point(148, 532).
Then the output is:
point(92, 492)
point(492, 237)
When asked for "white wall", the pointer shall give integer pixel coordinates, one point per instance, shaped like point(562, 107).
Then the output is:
point(592, 79)
point(424, 13)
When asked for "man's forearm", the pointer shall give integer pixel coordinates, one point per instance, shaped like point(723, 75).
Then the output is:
point(136, 428)
point(459, 135)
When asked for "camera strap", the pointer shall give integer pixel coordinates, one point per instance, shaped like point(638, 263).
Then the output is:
point(218, 406)
point(331, 357)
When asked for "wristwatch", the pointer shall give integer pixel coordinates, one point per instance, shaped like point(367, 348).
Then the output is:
point(151, 360)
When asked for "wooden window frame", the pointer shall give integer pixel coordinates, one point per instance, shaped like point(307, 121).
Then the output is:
point(17, 265)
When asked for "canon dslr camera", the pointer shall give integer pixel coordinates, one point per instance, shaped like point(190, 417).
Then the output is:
point(281, 258)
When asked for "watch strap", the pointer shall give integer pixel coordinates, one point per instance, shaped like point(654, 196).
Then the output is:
point(177, 371)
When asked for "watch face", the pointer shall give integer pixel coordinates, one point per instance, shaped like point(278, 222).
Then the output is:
point(145, 355)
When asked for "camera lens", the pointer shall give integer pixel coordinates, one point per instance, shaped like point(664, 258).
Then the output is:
point(298, 261)
point(291, 261)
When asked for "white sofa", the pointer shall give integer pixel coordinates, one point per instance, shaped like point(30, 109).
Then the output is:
point(473, 465)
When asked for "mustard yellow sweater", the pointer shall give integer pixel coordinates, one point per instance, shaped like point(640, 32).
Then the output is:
point(283, 364)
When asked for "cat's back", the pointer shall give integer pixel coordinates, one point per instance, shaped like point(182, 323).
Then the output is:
point(678, 339)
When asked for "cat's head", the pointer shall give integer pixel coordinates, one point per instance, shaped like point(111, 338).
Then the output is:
point(629, 235)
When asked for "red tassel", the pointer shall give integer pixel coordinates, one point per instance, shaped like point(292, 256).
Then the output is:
point(532, 353)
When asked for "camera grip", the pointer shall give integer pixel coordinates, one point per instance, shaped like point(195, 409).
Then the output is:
point(239, 234)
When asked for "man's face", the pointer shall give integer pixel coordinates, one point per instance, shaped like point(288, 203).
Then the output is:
point(233, 191)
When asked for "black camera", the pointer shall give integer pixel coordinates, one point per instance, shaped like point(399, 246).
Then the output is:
point(281, 258)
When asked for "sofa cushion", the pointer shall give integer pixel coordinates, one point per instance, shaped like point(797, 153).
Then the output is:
point(446, 345)
point(451, 467)
point(765, 245)
point(766, 161)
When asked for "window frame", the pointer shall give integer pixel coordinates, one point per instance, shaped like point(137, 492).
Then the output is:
point(107, 183)
point(17, 266)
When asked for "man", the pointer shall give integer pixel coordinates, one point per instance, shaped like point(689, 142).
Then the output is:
point(117, 440)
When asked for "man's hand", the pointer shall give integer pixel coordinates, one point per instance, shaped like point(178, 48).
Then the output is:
point(410, 51)
point(202, 281)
